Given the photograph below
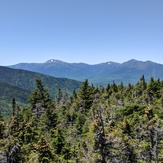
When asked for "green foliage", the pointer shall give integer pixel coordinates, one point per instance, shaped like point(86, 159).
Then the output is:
point(20, 83)
point(40, 95)
point(2, 126)
point(113, 124)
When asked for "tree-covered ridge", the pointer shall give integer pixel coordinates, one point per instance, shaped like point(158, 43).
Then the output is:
point(7, 92)
point(115, 123)
point(20, 83)
point(26, 80)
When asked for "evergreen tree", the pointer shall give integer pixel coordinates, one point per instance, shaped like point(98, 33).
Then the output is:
point(40, 95)
point(45, 155)
point(13, 106)
point(85, 97)
point(116, 123)
point(2, 126)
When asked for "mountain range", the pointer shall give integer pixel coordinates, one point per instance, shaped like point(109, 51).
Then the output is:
point(98, 74)
point(19, 80)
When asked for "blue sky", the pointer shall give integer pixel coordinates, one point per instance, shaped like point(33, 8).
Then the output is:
point(90, 31)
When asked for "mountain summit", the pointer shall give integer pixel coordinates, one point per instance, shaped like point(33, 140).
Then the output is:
point(100, 74)
point(53, 61)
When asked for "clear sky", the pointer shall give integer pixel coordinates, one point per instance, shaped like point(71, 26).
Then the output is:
point(90, 31)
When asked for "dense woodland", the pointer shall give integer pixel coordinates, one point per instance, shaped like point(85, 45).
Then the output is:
point(20, 83)
point(112, 124)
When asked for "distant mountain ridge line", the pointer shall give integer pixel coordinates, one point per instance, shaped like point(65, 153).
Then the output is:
point(100, 74)
point(107, 62)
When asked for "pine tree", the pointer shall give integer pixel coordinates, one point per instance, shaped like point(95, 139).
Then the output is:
point(44, 150)
point(39, 99)
point(59, 97)
point(2, 126)
point(85, 97)
point(40, 95)
point(13, 106)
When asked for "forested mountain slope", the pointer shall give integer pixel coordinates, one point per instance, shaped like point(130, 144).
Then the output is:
point(7, 93)
point(19, 84)
point(100, 74)
point(109, 124)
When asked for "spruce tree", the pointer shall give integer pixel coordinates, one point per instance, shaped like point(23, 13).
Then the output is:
point(13, 107)
point(85, 97)
point(39, 95)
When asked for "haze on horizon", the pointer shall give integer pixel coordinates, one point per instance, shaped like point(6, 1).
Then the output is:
point(80, 31)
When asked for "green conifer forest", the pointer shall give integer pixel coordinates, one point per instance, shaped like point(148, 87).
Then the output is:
point(112, 124)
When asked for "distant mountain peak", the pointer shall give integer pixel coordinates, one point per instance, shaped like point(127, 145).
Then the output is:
point(111, 63)
point(102, 73)
point(53, 61)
